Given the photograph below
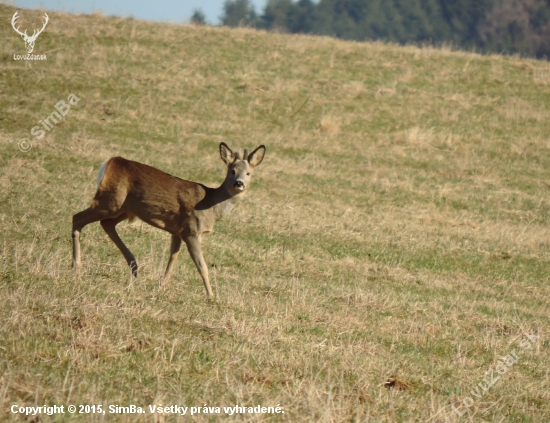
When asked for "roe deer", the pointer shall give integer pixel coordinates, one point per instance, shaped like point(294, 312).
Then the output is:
point(187, 210)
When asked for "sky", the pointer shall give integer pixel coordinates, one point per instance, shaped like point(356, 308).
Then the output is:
point(178, 11)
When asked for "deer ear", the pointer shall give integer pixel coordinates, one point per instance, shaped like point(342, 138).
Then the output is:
point(226, 154)
point(256, 157)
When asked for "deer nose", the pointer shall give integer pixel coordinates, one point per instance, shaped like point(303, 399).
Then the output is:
point(239, 184)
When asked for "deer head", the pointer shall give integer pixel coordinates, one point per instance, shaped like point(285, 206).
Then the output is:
point(239, 170)
point(29, 41)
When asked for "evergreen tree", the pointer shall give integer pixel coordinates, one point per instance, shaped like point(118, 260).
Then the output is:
point(275, 14)
point(464, 17)
point(302, 17)
point(198, 17)
point(493, 25)
point(238, 12)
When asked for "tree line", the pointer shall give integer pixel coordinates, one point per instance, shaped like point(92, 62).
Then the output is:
point(503, 26)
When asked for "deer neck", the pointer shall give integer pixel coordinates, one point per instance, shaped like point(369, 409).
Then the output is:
point(220, 201)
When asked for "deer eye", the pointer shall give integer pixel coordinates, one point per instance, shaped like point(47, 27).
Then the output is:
point(248, 173)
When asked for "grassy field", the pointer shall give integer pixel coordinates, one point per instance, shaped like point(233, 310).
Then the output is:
point(393, 247)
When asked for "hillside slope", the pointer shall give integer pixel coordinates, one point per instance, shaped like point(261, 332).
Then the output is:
point(393, 247)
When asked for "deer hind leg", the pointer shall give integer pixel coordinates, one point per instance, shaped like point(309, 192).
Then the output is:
point(194, 247)
point(174, 252)
point(80, 220)
point(109, 225)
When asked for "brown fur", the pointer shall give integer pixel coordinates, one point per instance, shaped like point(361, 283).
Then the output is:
point(186, 209)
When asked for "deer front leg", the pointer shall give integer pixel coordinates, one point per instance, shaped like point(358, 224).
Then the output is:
point(194, 247)
point(174, 252)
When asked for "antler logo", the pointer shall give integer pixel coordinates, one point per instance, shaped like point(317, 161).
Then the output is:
point(29, 41)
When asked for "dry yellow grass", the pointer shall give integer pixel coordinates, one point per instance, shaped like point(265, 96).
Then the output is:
point(393, 246)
